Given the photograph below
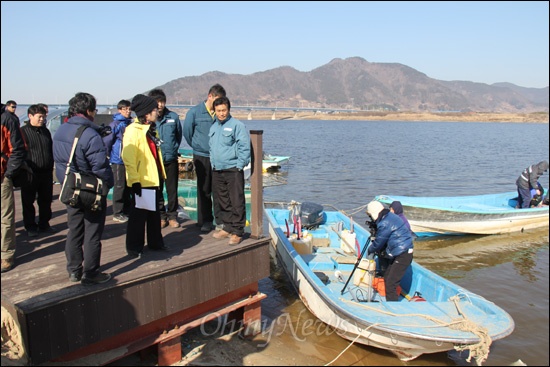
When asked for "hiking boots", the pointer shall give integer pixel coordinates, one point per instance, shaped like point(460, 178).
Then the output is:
point(235, 240)
point(7, 264)
point(221, 234)
point(99, 278)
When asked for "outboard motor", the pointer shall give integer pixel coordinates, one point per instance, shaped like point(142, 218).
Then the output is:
point(311, 215)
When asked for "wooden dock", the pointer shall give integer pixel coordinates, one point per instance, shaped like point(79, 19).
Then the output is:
point(150, 301)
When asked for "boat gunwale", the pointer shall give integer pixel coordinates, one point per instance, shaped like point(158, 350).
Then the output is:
point(388, 199)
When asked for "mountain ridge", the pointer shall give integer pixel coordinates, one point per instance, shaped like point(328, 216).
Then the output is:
point(355, 83)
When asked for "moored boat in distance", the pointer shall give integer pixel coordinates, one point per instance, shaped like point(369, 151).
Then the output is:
point(270, 163)
point(461, 215)
point(432, 314)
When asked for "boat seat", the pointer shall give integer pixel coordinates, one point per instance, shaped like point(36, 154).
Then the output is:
point(320, 242)
point(319, 262)
point(344, 259)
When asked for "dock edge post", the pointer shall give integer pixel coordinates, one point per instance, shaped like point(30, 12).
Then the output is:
point(256, 185)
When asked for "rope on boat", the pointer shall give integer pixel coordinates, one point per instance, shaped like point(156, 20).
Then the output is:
point(479, 351)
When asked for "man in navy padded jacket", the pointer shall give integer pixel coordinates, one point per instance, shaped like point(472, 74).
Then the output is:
point(393, 244)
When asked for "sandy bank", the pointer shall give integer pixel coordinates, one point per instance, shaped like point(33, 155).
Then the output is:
point(539, 117)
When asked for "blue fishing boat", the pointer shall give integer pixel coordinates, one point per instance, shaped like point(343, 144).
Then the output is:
point(270, 163)
point(321, 253)
point(460, 215)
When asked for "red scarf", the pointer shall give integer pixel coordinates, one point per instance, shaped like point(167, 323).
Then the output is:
point(154, 150)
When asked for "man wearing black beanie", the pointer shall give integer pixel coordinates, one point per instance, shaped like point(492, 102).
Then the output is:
point(142, 158)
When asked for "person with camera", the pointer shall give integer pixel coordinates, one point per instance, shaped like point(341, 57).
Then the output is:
point(83, 245)
point(142, 157)
point(393, 243)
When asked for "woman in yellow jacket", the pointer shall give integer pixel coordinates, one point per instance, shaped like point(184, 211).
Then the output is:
point(144, 170)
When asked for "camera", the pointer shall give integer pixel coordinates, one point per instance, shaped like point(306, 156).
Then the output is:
point(372, 227)
point(104, 130)
point(153, 137)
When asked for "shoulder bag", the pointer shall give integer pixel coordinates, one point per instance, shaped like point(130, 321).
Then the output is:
point(81, 188)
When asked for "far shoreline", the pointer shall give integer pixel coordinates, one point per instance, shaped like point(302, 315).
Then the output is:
point(537, 117)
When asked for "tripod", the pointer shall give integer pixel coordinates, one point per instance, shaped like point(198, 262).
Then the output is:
point(356, 264)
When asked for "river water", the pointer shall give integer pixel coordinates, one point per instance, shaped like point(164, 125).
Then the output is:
point(345, 164)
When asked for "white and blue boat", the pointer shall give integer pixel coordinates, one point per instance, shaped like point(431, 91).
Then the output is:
point(432, 314)
point(270, 163)
point(460, 215)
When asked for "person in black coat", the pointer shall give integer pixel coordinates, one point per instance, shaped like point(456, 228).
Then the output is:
point(40, 159)
point(83, 246)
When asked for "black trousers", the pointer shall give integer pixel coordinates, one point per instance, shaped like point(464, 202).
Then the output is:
point(40, 189)
point(83, 246)
point(122, 194)
point(140, 221)
point(394, 273)
point(203, 170)
point(171, 183)
point(228, 188)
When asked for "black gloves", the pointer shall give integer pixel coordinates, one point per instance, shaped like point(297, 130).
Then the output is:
point(136, 188)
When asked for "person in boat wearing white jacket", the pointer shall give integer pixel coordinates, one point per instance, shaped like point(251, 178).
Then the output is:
point(527, 181)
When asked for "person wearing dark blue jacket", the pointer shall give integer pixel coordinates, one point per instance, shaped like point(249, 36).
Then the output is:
point(122, 199)
point(83, 244)
point(196, 127)
point(170, 133)
point(393, 242)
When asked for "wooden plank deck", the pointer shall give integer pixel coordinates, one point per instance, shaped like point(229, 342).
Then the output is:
point(58, 317)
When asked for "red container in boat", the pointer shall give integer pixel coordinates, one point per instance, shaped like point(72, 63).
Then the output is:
point(379, 285)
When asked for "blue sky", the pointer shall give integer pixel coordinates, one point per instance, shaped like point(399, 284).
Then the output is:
point(114, 50)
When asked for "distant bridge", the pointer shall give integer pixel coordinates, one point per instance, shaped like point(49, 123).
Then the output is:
point(276, 108)
point(55, 110)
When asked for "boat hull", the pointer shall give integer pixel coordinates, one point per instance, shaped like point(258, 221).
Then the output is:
point(364, 323)
point(481, 214)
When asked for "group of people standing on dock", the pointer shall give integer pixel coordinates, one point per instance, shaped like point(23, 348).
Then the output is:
point(138, 158)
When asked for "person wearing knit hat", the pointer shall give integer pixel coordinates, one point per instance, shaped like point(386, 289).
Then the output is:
point(142, 105)
point(142, 158)
point(393, 244)
point(527, 181)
